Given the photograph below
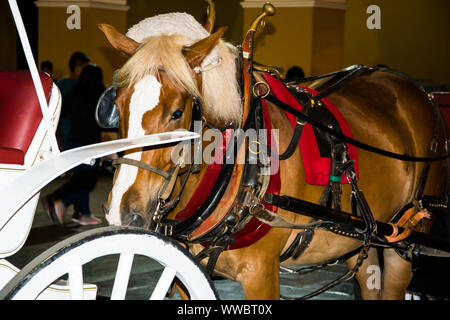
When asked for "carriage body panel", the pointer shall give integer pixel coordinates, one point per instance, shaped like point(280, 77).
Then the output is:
point(14, 233)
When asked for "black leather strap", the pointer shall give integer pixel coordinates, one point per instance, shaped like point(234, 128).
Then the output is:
point(347, 139)
point(303, 97)
point(117, 162)
point(299, 244)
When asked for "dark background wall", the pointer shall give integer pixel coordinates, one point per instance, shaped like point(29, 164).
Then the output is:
point(11, 53)
point(413, 36)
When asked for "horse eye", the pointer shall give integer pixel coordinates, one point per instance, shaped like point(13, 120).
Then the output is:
point(176, 115)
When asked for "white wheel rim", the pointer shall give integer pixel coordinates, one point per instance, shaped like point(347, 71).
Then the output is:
point(72, 253)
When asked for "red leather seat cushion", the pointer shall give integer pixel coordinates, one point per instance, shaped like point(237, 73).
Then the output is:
point(20, 113)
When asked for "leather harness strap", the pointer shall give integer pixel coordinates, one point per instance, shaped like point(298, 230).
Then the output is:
point(298, 245)
point(298, 94)
point(349, 140)
point(274, 220)
point(163, 173)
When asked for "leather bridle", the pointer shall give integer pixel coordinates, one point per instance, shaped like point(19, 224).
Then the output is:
point(170, 176)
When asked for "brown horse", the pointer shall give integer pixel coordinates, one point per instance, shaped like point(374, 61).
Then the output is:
point(165, 71)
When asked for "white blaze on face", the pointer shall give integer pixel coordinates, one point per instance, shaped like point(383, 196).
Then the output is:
point(145, 97)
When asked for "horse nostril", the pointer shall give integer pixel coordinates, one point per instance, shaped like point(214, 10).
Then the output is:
point(133, 220)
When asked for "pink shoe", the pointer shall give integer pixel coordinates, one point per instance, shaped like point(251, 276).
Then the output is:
point(89, 220)
point(76, 218)
point(54, 209)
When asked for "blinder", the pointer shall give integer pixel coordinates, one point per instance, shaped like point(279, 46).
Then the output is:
point(106, 113)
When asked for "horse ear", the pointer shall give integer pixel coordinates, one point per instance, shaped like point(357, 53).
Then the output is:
point(118, 40)
point(195, 53)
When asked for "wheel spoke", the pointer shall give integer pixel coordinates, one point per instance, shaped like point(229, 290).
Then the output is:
point(122, 276)
point(163, 284)
point(76, 283)
point(73, 257)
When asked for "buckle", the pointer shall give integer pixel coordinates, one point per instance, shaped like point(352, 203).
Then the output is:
point(261, 95)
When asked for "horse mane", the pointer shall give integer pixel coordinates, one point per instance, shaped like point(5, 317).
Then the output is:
point(162, 39)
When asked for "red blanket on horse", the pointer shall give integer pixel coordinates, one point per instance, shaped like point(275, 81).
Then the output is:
point(254, 229)
point(317, 167)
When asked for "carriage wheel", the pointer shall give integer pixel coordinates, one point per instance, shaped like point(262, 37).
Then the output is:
point(69, 256)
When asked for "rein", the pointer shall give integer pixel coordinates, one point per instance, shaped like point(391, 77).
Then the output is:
point(163, 173)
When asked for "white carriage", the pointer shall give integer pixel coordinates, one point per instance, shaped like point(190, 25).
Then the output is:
point(30, 105)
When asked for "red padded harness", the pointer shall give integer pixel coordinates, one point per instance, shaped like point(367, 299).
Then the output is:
point(254, 229)
point(317, 168)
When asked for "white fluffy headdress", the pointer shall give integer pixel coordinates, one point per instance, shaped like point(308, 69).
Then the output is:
point(220, 90)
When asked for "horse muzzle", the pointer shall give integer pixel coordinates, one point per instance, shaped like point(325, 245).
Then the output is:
point(134, 220)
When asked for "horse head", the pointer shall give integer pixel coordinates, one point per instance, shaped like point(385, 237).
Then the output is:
point(165, 72)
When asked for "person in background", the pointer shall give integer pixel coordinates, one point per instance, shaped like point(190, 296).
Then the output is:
point(47, 66)
point(294, 73)
point(77, 62)
point(80, 104)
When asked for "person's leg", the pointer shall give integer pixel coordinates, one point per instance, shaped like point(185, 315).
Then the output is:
point(56, 203)
point(83, 214)
point(80, 205)
point(89, 176)
point(82, 210)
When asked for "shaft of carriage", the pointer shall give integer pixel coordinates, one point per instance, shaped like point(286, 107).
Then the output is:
point(340, 217)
